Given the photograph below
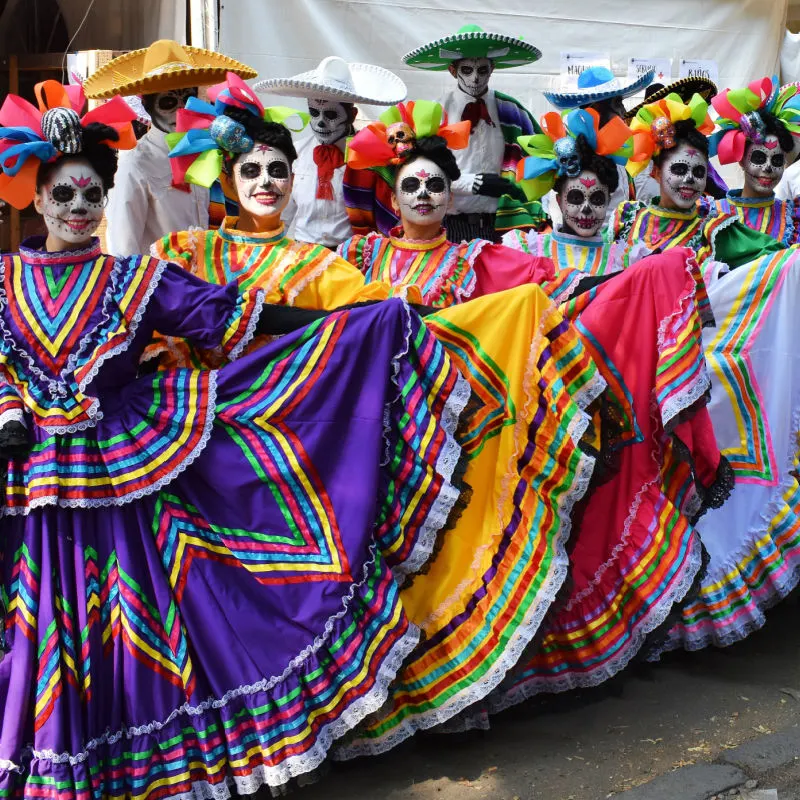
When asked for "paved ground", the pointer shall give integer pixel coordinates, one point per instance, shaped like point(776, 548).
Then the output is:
point(690, 709)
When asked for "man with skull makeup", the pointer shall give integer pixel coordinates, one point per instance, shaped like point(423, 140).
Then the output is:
point(145, 205)
point(486, 196)
point(753, 287)
point(757, 129)
point(317, 212)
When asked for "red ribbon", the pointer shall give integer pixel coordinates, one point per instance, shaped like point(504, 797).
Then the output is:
point(476, 111)
point(328, 158)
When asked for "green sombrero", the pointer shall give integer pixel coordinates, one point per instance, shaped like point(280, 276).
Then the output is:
point(472, 41)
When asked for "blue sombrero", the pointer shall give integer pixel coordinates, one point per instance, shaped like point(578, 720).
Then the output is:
point(596, 84)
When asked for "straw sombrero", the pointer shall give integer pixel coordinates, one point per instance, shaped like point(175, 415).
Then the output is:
point(685, 88)
point(596, 84)
point(471, 41)
point(334, 79)
point(163, 66)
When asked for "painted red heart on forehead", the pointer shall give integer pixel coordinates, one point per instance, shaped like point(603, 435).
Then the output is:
point(587, 182)
point(771, 145)
point(81, 182)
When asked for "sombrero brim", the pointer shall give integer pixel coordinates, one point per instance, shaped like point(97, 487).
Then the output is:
point(685, 87)
point(123, 75)
point(371, 84)
point(505, 51)
point(582, 97)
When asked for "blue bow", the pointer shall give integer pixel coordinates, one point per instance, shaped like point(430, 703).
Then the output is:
point(30, 145)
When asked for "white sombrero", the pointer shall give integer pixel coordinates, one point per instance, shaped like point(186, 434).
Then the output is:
point(334, 79)
point(596, 84)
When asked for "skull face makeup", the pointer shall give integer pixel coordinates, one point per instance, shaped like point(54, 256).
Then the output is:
point(684, 170)
point(263, 180)
point(71, 203)
point(330, 121)
point(472, 75)
point(584, 204)
point(763, 166)
point(163, 107)
point(422, 192)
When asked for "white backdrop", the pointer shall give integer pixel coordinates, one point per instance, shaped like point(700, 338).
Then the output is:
point(282, 37)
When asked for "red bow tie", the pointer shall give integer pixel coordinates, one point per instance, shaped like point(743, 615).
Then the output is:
point(328, 158)
point(476, 111)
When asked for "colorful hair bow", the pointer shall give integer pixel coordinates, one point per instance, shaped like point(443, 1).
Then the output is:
point(555, 151)
point(30, 135)
point(204, 133)
point(740, 119)
point(654, 127)
point(384, 143)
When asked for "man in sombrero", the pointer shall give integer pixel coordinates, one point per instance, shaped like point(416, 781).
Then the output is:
point(317, 212)
point(144, 206)
point(486, 196)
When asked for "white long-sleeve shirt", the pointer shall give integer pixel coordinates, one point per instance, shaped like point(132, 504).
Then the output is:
point(143, 206)
point(308, 219)
point(483, 154)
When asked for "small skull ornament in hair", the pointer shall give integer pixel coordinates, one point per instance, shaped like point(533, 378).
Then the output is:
point(684, 171)
point(583, 201)
point(473, 75)
point(263, 180)
point(763, 164)
point(422, 191)
point(164, 107)
point(72, 201)
point(330, 121)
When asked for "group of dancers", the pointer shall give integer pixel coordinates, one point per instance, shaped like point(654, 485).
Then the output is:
point(346, 438)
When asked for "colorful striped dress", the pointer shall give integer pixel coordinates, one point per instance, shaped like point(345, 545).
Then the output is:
point(776, 218)
point(201, 568)
point(754, 539)
point(498, 571)
point(634, 553)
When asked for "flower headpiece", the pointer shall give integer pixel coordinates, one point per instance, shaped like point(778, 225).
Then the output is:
point(740, 119)
point(555, 152)
point(30, 135)
point(654, 126)
point(204, 133)
point(385, 143)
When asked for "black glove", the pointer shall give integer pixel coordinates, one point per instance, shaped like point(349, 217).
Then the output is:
point(490, 185)
point(14, 441)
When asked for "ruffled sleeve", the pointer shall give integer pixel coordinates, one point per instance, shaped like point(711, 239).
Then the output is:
point(200, 323)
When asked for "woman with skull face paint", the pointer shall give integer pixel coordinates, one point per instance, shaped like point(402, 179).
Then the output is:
point(268, 510)
point(635, 553)
point(491, 582)
point(753, 286)
point(673, 134)
point(757, 126)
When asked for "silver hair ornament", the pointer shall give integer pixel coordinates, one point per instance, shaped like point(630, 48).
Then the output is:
point(569, 162)
point(230, 135)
